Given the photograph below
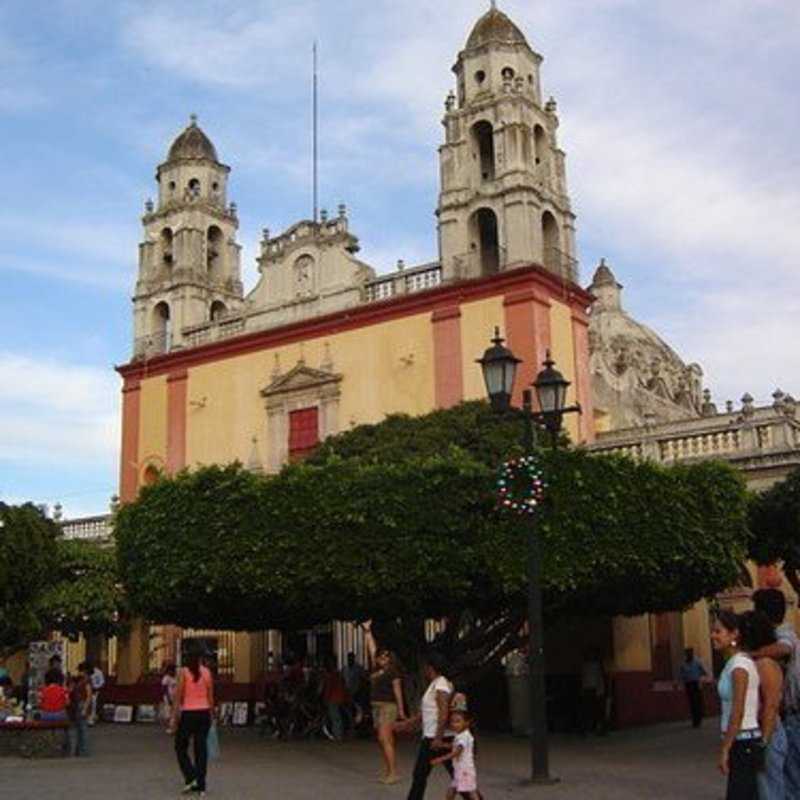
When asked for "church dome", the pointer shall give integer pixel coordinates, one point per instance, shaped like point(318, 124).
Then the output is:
point(636, 375)
point(603, 276)
point(192, 143)
point(495, 26)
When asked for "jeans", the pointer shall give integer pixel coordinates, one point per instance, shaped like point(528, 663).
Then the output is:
point(335, 716)
point(193, 725)
point(791, 770)
point(53, 716)
point(694, 694)
point(78, 739)
point(742, 772)
point(771, 781)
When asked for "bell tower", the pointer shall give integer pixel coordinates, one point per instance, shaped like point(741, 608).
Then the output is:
point(503, 191)
point(189, 269)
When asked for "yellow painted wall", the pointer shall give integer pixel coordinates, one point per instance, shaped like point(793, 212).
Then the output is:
point(632, 644)
point(478, 321)
point(387, 369)
point(563, 353)
point(153, 425)
point(697, 632)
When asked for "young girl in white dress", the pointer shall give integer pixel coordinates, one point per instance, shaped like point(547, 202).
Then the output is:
point(462, 754)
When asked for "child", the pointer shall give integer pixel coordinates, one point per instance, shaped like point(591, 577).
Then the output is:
point(465, 779)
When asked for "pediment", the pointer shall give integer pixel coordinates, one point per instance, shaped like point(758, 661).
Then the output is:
point(300, 378)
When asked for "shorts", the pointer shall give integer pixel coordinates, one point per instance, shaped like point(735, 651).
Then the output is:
point(384, 714)
point(464, 780)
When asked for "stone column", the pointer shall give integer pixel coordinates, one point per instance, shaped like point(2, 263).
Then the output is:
point(242, 656)
point(132, 653)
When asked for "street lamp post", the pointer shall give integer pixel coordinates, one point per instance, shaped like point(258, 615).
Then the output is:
point(499, 367)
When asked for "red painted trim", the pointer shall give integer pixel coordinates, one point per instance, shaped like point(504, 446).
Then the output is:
point(363, 316)
point(525, 296)
point(583, 378)
point(445, 313)
point(527, 318)
point(129, 447)
point(177, 387)
point(447, 365)
point(178, 375)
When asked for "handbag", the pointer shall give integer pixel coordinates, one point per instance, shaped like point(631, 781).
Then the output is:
point(212, 742)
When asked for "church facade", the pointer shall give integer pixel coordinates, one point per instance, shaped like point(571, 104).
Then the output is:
point(323, 343)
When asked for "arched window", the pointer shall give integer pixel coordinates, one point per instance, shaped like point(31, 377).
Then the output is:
point(483, 135)
point(166, 246)
point(213, 249)
point(507, 73)
point(539, 144)
point(161, 329)
point(218, 310)
point(485, 241)
point(150, 475)
point(304, 276)
point(193, 188)
point(551, 243)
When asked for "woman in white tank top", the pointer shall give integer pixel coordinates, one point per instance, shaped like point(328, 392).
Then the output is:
point(742, 751)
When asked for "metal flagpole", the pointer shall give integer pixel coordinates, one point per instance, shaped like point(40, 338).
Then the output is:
point(315, 146)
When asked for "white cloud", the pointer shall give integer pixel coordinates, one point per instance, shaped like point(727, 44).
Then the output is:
point(56, 415)
point(98, 253)
point(234, 48)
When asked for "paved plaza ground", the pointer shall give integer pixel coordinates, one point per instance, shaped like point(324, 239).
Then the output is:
point(662, 763)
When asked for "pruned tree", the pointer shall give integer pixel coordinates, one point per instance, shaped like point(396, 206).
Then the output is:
point(27, 559)
point(398, 523)
point(775, 525)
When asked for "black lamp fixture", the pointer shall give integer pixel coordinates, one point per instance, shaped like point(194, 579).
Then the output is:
point(551, 391)
point(499, 367)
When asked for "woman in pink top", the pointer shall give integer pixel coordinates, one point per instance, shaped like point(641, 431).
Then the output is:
point(191, 719)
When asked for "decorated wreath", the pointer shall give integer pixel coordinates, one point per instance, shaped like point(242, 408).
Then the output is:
point(520, 485)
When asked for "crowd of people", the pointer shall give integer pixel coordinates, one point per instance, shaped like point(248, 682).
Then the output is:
point(759, 690)
point(758, 686)
point(348, 696)
point(70, 698)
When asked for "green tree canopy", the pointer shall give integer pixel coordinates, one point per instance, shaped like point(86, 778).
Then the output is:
point(84, 595)
point(27, 560)
point(775, 524)
point(397, 522)
point(47, 583)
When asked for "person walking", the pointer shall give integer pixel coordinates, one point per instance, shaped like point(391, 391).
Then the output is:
point(433, 715)
point(169, 684)
point(786, 650)
point(334, 695)
point(191, 720)
point(741, 752)
point(80, 709)
point(593, 693)
point(386, 698)
point(757, 632)
point(98, 681)
point(691, 672)
point(355, 681)
point(354, 675)
point(462, 755)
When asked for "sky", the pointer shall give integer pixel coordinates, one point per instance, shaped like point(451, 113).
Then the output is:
point(679, 119)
